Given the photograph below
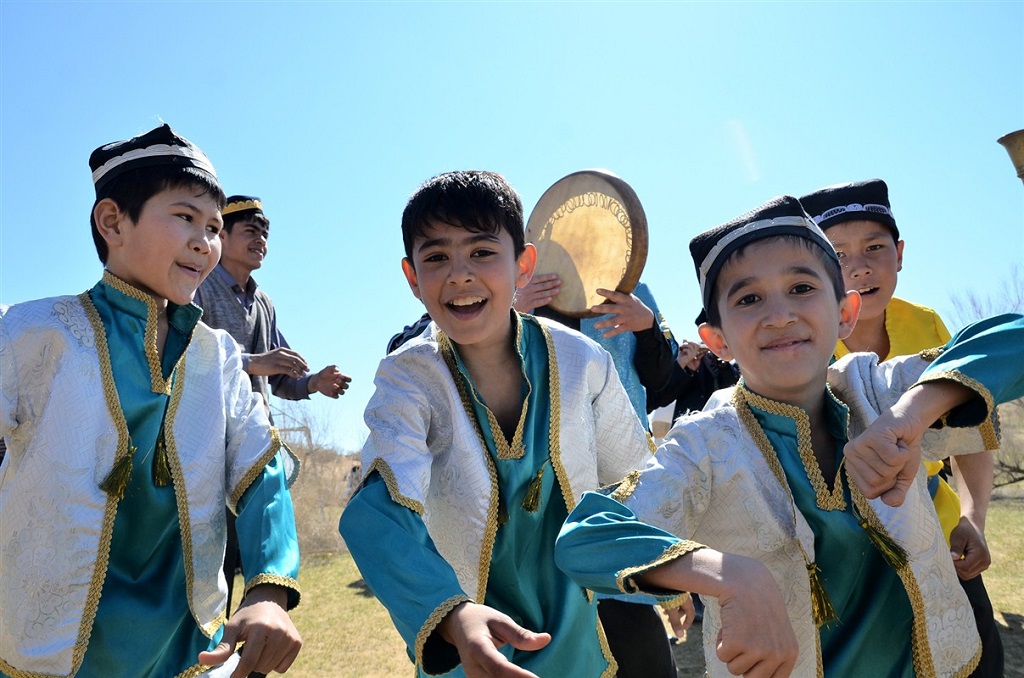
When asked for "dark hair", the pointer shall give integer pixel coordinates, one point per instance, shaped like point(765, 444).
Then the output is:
point(132, 189)
point(478, 201)
point(257, 218)
point(831, 266)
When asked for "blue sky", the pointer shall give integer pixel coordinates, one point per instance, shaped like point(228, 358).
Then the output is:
point(333, 113)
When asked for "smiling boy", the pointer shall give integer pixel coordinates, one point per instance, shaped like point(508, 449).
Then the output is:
point(858, 220)
point(483, 432)
point(129, 426)
point(869, 588)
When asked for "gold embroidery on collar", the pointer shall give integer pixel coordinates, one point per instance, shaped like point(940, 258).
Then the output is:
point(256, 469)
point(820, 604)
point(447, 351)
point(433, 620)
point(626, 578)
point(502, 446)
point(827, 501)
point(156, 373)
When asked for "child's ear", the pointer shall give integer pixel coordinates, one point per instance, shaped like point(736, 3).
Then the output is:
point(899, 256)
point(849, 311)
point(110, 221)
point(525, 265)
point(715, 341)
point(410, 277)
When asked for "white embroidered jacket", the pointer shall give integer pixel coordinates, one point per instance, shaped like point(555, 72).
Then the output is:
point(63, 425)
point(426, 446)
point(732, 501)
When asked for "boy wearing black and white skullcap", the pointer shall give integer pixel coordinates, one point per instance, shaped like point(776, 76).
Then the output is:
point(129, 426)
point(858, 219)
point(761, 472)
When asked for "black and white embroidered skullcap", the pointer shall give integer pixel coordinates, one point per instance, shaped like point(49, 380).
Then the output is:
point(243, 205)
point(856, 201)
point(160, 146)
point(780, 216)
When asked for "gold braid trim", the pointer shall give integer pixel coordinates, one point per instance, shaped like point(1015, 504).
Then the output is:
point(625, 577)
point(931, 354)
point(821, 605)
point(382, 467)
point(256, 469)
point(963, 380)
point(276, 580)
point(181, 497)
point(672, 603)
point(555, 423)
point(606, 650)
point(99, 572)
point(156, 373)
point(494, 501)
point(920, 649)
point(124, 449)
point(433, 620)
point(827, 501)
point(193, 671)
point(627, 486)
point(241, 206)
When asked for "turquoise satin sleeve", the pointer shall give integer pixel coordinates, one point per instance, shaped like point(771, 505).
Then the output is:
point(601, 537)
point(989, 353)
point(266, 532)
point(399, 562)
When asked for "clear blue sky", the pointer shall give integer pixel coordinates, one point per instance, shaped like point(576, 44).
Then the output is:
point(333, 113)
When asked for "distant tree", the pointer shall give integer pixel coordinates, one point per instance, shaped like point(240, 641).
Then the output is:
point(971, 306)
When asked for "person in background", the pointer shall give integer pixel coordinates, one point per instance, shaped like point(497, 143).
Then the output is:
point(232, 301)
point(129, 427)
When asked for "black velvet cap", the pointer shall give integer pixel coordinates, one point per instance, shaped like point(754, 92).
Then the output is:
point(160, 146)
point(779, 216)
point(247, 204)
point(856, 201)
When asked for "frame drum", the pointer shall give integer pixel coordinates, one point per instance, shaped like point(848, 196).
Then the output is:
point(590, 229)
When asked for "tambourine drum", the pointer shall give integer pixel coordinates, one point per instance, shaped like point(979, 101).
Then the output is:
point(590, 229)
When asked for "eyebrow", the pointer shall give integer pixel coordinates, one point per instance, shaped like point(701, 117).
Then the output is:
point(792, 270)
point(444, 241)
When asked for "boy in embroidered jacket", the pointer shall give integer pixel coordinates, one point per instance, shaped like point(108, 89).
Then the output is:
point(129, 426)
point(857, 218)
point(484, 430)
point(869, 587)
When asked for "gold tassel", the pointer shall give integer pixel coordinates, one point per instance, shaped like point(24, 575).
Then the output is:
point(820, 603)
point(502, 511)
point(531, 502)
point(116, 481)
point(893, 553)
point(161, 469)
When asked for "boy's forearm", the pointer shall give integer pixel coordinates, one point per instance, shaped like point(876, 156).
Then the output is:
point(974, 474)
point(707, 572)
point(929, 402)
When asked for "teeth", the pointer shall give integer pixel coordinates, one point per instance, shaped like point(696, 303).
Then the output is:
point(466, 301)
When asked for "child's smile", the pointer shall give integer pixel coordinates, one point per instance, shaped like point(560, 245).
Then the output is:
point(467, 280)
point(780, 320)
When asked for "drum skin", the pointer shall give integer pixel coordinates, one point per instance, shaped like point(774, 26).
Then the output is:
point(590, 229)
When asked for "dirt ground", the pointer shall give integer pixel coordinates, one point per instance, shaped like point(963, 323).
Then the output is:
point(690, 653)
